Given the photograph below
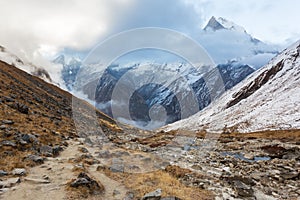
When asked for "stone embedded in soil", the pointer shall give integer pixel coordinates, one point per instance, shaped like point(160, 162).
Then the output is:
point(29, 138)
point(155, 195)
point(35, 158)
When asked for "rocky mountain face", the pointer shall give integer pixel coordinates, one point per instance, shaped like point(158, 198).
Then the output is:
point(268, 99)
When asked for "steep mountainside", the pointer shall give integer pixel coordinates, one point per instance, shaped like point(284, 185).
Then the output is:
point(268, 99)
point(35, 116)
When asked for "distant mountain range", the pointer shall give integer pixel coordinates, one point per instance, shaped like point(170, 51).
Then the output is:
point(236, 53)
point(246, 54)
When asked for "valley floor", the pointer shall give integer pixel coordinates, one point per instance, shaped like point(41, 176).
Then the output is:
point(185, 165)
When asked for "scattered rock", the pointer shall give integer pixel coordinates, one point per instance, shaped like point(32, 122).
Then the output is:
point(2, 127)
point(56, 150)
point(9, 122)
point(35, 158)
point(83, 180)
point(21, 108)
point(3, 173)
point(29, 138)
point(8, 99)
point(50, 151)
point(19, 171)
point(170, 198)
point(241, 185)
point(8, 143)
point(155, 195)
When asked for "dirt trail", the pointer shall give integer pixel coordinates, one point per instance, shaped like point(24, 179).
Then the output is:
point(59, 172)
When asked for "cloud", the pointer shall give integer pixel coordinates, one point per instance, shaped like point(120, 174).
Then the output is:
point(35, 29)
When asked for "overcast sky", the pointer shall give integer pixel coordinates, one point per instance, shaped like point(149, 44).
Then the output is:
point(35, 27)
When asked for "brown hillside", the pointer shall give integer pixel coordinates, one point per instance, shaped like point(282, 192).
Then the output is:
point(33, 114)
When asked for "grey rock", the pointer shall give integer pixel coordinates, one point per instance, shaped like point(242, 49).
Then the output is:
point(170, 198)
point(56, 150)
point(19, 171)
point(9, 122)
point(2, 127)
point(3, 173)
point(35, 158)
point(8, 143)
point(155, 195)
point(46, 151)
point(29, 138)
point(85, 181)
point(21, 108)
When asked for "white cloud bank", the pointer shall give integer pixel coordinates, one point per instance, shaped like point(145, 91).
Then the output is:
point(34, 29)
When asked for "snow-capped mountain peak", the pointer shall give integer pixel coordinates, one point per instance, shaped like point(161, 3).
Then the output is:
point(215, 24)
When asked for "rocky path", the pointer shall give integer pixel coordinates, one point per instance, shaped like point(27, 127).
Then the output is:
point(49, 181)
